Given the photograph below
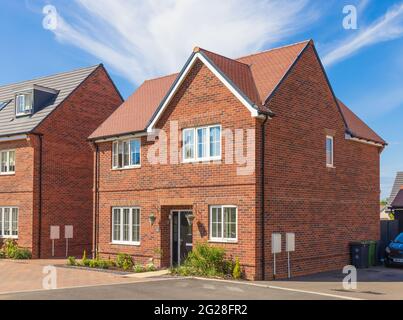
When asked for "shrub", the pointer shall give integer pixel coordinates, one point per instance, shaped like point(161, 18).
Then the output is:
point(150, 267)
point(206, 260)
point(104, 264)
point(93, 263)
point(71, 261)
point(237, 274)
point(9, 248)
point(22, 254)
point(124, 261)
point(138, 268)
point(85, 261)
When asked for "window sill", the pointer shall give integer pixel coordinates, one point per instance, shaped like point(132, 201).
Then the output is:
point(330, 167)
point(128, 244)
point(9, 237)
point(202, 160)
point(127, 168)
point(223, 241)
point(8, 174)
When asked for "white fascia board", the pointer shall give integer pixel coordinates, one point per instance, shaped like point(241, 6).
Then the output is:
point(124, 137)
point(350, 137)
point(213, 69)
point(14, 138)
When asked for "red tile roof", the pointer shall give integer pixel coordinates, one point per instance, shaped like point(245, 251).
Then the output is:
point(357, 127)
point(256, 76)
point(133, 115)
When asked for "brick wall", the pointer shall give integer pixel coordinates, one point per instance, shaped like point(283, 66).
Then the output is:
point(67, 178)
point(202, 100)
point(326, 208)
point(17, 190)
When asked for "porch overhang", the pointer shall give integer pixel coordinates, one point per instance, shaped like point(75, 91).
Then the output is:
point(177, 202)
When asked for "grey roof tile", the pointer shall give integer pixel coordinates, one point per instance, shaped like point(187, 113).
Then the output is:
point(65, 83)
point(396, 187)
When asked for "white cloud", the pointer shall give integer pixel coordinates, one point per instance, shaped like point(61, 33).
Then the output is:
point(388, 27)
point(143, 39)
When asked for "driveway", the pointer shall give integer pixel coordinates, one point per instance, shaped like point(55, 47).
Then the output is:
point(28, 275)
point(377, 283)
point(23, 280)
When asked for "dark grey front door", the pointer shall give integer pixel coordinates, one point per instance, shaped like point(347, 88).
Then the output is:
point(182, 236)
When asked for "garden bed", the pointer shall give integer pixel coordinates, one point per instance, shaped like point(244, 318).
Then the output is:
point(123, 264)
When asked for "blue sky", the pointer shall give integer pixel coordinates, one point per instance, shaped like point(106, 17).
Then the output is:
point(144, 39)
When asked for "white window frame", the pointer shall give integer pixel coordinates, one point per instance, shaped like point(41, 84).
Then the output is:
point(222, 238)
point(115, 166)
point(330, 165)
point(2, 218)
point(196, 157)
point(27, 111)
point(8, 172)
point(121, 241)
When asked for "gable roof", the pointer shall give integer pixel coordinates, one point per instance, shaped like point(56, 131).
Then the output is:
point(253, 79)
point(63, 83)
point(397, 185)
point(358, 128)
point(398, 201)
point(255, 76)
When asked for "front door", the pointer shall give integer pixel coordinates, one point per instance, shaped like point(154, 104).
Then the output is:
point(182, 237)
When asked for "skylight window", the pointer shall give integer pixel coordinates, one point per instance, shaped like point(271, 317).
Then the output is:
point(3, 104)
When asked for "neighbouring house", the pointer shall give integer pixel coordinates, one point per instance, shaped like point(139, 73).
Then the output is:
point(396, 207)
point(231, 151)
point(46, 163)
point(397, 185)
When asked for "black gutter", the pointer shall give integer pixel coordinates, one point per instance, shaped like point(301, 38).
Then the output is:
point(262, 194)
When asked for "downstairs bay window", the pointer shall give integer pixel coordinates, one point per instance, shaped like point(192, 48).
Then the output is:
point(126, 226)
point(223, 223)
point(8, 222)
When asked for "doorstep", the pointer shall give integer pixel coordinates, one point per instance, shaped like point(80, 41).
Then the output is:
point(144, 275)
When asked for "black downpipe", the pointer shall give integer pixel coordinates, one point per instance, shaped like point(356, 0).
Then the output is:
point(262, 193)
point(96, 204)
point(40, 136)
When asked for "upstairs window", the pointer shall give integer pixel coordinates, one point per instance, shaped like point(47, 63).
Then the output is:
point(202, 144)
point(329, 151)
point(126, 154)
point(7, 162)
point(23, 104)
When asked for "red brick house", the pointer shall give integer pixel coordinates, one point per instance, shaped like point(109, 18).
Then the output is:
point(254, 146)
point(46, 167)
